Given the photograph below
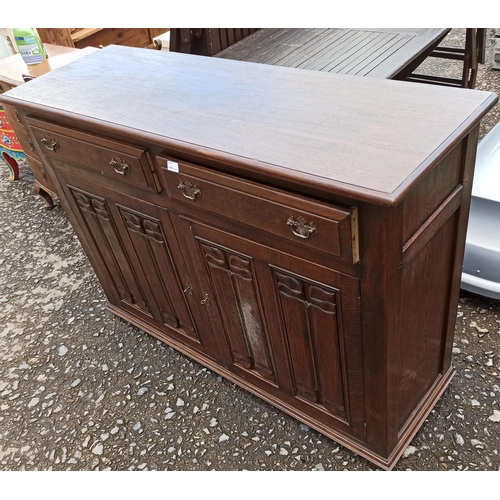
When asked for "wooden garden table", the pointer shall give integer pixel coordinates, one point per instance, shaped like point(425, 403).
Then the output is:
point(376, 52)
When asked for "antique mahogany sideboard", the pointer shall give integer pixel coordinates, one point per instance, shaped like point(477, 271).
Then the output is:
point(298, 232)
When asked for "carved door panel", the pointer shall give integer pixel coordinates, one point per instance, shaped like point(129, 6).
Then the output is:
point(134, 252)
point(290, 326)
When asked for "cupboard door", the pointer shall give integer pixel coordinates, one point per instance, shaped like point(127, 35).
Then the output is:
point(134, 252)
point(290, 326)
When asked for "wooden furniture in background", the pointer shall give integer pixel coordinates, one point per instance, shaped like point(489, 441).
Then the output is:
point(394, 53)
point(206, 41)
point(472, 54)
point(14, 72)
point(11, 150)
point(55, 62)
point(13, 68)
point(95, 37)
point(298, 232)
point(376, 52)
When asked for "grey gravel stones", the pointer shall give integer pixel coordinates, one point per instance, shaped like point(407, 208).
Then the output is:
point(495, 417)
point(98, 449)
point(62, 351)
point(410, 450)
point(33, 402)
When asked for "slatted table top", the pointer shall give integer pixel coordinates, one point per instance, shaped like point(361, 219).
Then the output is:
point(375, 52)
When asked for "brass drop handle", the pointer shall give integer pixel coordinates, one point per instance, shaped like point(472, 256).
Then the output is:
point(30, 144)
point(300, 227)
point(190, 191)
point(205, 299)
point(50, 143)
point(120, 167)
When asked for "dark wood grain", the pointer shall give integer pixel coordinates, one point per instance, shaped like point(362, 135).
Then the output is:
point(264, 123)
point(117, 160)
point(268, 210)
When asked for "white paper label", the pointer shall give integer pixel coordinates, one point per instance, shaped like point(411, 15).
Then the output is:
point(173, 166)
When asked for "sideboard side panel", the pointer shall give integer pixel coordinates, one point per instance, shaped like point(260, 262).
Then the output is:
point(426, 280)
point(432, 262)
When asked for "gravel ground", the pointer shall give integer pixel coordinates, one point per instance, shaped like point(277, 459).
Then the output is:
point(81, 389)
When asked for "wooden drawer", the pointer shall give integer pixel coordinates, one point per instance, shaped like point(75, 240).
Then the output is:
point(115, 160)
point(325, 227)
point(25, 140)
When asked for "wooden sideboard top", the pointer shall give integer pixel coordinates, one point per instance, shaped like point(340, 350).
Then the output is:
point(351, 136)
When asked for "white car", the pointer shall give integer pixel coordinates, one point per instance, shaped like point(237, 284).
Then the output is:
point(481, 269)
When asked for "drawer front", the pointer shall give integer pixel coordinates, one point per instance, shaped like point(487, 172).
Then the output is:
point(324, 227)
point(115, 160)
point(24, 139)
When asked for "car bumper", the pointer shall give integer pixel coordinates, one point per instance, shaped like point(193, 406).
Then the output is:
point(481, 269)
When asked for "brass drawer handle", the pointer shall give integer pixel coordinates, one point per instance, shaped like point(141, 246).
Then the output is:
point(30, 144)
point(189, 190)
point(121, 167)
point(300, 227)
point(50, 143)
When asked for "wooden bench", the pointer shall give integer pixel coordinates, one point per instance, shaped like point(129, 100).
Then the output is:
point(393, 53)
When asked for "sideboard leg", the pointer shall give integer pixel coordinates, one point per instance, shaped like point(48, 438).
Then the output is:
point(49, 203)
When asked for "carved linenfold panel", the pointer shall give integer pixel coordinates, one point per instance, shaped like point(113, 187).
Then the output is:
point(97, 217)
point(240, 267)
point(100, 209)
point(83, 201)
point(237, 296)
point(151, 247)
point(323, 299)
point(132, 222)
point(153, 230)
point(312, 331)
